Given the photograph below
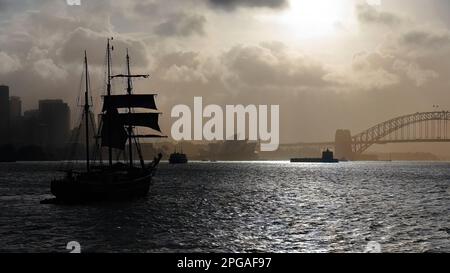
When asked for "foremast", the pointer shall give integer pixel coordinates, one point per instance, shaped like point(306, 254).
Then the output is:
point(87, 112)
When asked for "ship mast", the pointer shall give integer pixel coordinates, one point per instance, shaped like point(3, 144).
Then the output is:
point(108, 89)
point(119, 128)
point(130, 127)
point(86, 111)
point(129, 78)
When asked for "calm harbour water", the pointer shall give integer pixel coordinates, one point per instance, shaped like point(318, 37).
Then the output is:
point(239, 207)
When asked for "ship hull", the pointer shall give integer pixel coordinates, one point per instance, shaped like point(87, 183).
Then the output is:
point(178, 158)
point(101, 187)
point(178, 161)
point(313, 160)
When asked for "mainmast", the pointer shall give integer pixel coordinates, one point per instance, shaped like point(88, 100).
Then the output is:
point(130, 114)
point(86, 111)
point(118, 127)
point(130, 127)
point(108, 89)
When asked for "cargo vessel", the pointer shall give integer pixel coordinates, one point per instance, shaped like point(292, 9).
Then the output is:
point(327, 157)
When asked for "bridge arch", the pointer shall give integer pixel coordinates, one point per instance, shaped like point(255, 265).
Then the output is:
point(420, 127)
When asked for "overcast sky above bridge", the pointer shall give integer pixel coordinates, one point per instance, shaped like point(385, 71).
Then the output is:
point(328, 63)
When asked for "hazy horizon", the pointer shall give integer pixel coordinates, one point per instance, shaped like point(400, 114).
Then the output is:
point(328, 64)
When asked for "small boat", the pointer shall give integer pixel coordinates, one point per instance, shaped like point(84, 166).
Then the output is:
point(113, 181)
point(178, 158)
point(327, 157)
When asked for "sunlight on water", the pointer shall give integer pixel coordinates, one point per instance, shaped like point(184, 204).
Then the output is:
point(240, 207)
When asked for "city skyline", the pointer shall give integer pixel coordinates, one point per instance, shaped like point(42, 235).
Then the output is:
point(363, 63)
point(49, 125)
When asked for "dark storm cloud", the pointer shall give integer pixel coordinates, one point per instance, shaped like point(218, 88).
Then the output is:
point(232, 4)
point(182, 24)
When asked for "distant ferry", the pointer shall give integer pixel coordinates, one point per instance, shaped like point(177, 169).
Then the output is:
point(327, 157)
point(178, 158)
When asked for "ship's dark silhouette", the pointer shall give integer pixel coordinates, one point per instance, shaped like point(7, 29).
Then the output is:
point(113, 181)
point(178, 157)
point(327, 157)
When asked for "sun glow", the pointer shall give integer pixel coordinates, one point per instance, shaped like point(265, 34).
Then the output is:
point(313, 18)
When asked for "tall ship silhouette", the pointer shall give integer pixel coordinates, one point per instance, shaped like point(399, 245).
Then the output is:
point(113, 180)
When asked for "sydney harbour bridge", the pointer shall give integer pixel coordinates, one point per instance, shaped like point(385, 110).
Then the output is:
point(417, 127)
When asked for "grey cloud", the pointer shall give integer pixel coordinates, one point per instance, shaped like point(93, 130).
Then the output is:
point(261, 66)
point(380, 71)
point(41, 50)
point(5, 5)
point(232, 4)
point(182, 24)
point(71, 48)
point(372, 15)
point(426, 39)
point(147, 8)
point(8, 63)
point(189, 59)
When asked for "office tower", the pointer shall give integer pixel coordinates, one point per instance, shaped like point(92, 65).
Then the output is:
point(4, 114)
point(16, 125)
point(54, 118)
point(31, 128)
point(15, 108)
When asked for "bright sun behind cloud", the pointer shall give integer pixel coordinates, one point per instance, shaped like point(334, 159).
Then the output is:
point(312, 18)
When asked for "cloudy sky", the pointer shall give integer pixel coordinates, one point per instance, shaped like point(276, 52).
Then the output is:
point(328, 63)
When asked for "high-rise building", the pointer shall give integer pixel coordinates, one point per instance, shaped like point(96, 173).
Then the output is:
point(54, 116)
point(16, 124)
point(15, 108)
point(4, 114)
point(31, 128)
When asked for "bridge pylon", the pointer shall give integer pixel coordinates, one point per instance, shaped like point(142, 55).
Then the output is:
point(343, 145)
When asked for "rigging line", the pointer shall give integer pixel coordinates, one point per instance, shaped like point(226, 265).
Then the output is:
point(98, 140)
point(72, 148)
point(77, 106)
point(92, 129)
point(139, 150)
point(105, 73)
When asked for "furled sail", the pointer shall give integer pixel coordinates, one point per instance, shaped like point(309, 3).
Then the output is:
point(133, 101)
